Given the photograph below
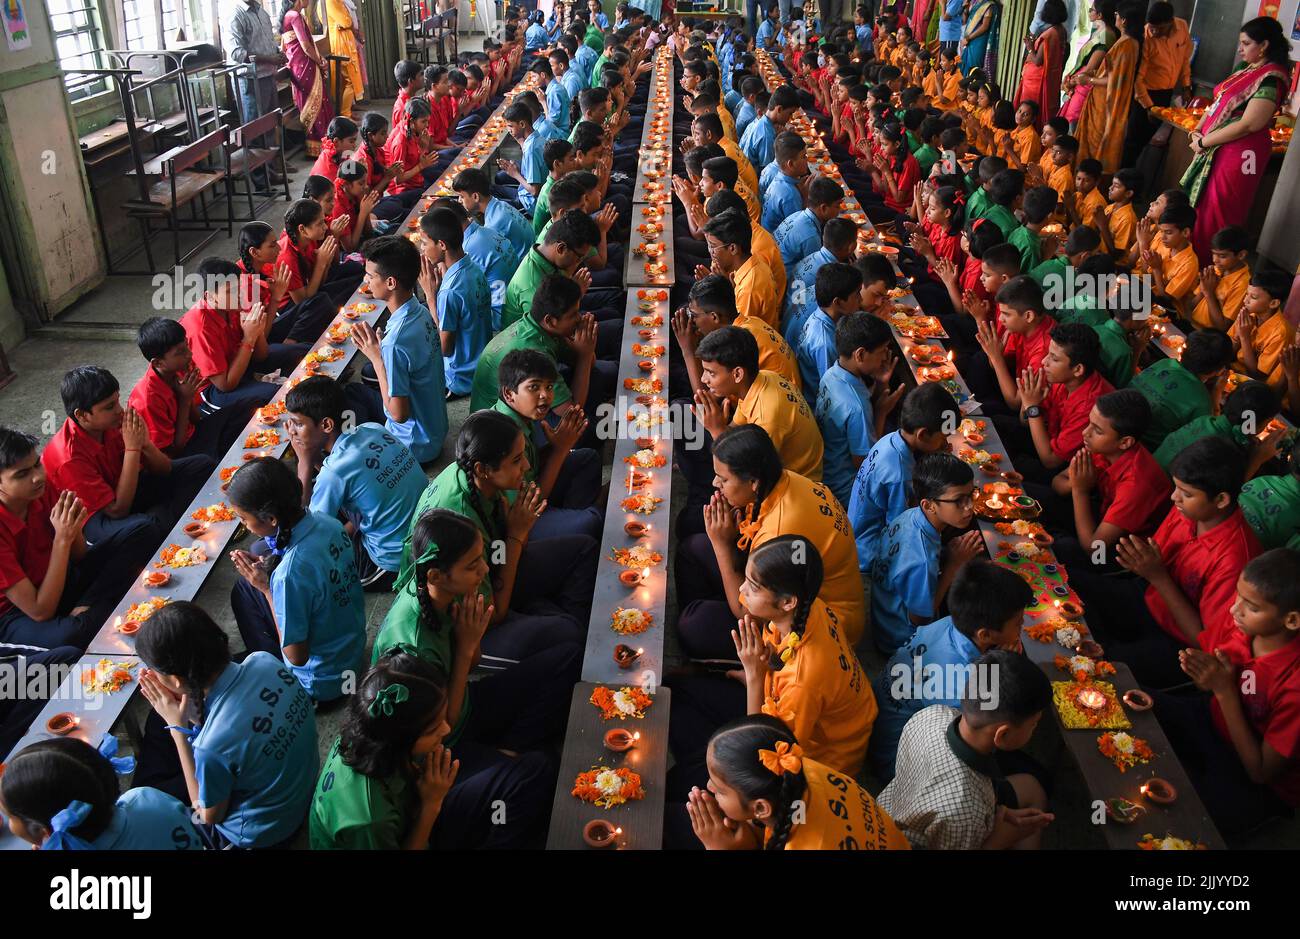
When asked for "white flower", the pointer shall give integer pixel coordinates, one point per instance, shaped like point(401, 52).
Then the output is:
point(609, 782)
point(1068, 636)
point(1081, 663)
point(623, 701)
point(1123, 742)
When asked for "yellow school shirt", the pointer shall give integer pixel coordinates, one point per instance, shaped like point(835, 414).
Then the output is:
point(752, 205)
point(728, 122)
point(950, 82)
point(1028, 144)
point(754, 294)
point(1123, 224)
point(744, 169)
point(1062, 180)
point(840, 816)
point(799, 506)
point(774, 353)
point(821, 692)
point(930, 85)
point(1274, 335)
point(1002, 144)
point(1046, 163)
point(1091, 208)
point(764, 247)
point(1231, 291)
point(1182, 272)
point(780, 409)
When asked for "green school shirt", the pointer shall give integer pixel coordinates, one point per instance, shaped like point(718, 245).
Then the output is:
point(451, 490)
point(525, 426)
point(1052, 267)
point(1271, 505)
point(432, 645)
point(353, 812)
point(542, 208)
point(596, 68)
point(1116, 354)
point(1176, 396)
point(1002, 217)
point(1030, 246)
point(978, 204)
point(913, 144)
point(1215, 425)
point(926, 157)
point(524, 333)
point(595, 38)
point(532, 270)
point(1082, 308)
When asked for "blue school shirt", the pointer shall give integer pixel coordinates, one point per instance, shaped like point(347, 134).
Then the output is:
point(557, 105)
point(815, 351)
point(881, 491)
point(732, 100)
point(535, 37)
point(370, 474)
point(532, 166)
point(573, 84)
point(847, 423)
point(745, 115)
point(585, 57)
point(801, 295)
point(411, 354)
point(781, 200)
point(495, 256)
point(765, 38)
point(759, 142)
point(464, 308)
point(147, 819)
point(768, 173)
point(601, 20)
point(901, 689)
point(257, 750)
point(543, 128)
point(798, 236)
point(865, 40)
point(501, 216)
point(903, 577)
point(317, 599)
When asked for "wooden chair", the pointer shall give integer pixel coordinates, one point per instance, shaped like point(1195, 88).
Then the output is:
point(183, 182)
point(442, 28)
point(418, 42)
point(242, 157)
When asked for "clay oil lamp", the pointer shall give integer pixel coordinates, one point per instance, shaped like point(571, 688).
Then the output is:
point(599, 833)
point(620, 740)
point(1138, 700)
point(625, 656)
point(65, 722)
point(1159, 791)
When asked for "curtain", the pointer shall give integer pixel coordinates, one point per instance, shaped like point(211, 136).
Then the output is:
point(385, 44)
point(1016, 17)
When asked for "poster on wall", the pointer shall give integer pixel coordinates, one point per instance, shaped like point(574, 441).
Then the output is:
point(1286, 12)
point(16, 33)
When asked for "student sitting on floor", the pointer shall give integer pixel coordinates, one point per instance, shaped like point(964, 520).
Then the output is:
point(1082, 243)
point(167, 398)
point(839, 244)
point(560, 158)
point(1186, 575)
point(987, 604)
point(1271, 504)
point(1130, 486)
point(1037, 208)
point(404, 147)
point(1262, 331)
point(568, 478)
point(303, 597)
point(728, 236)
point(1244, 769)
point(365, 475)
point(1181, 390)
point(412, 393)
point(354, 207)
point(854, 398)
point(490, 250)
point(541, 590)
point(949, 792)
point(1119, 234)
point(456, 291)
point(839, 294)
point(309, 248)
point(759, 142)
point(757, 777)
point(1027, 334)
point(1223, 284)
point(1123, 339)
point(912, 571)
point(1247, 411)
point(561, 251)
point(802, 233)
point(55, 589)
point(783, 197)
point(475, 193)
point(264, 279)
point(133, 493)
point(197, 744)
point(530, 172)
point(1167, 254)
point(63, 795)
point(771, 501)
point(400, 776)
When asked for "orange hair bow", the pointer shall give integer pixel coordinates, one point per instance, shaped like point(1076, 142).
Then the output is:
point(772, 709)
point(787, 758)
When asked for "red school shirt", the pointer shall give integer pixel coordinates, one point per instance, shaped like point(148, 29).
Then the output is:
point(945, 244)
point(1067, 413)
point(1205, 567)
point(440, 121)
point(1134, 490)
point(90, 468)
point(399, 112)
point(344, 204)
point(157, 404)
point(214, 337)
point(325, 164)
point(300, 259)
point(374, 171)
point(1024, 351)
point(255, 288)
point(26, 544)
point(906, 180)
point(406, 148)
point(1274, 709)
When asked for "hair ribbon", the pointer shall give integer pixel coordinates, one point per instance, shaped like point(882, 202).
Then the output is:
point(786, 758)
point(388, 698)
point(108, 750)
point(61, 825)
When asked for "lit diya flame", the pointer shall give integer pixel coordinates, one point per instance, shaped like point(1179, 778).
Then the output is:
point(1091, 699)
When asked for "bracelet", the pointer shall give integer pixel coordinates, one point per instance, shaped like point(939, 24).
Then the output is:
point(250, 347)
point(132, 449)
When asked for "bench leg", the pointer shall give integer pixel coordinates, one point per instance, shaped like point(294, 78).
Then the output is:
point(148, 248)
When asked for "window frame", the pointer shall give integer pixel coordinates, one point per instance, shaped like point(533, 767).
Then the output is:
point(94, 29)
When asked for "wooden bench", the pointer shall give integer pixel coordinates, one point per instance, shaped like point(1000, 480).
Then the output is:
point(242, 157)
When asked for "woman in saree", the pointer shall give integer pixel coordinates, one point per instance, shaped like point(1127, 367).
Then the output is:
point(981, 34)
point(1223, 179)
point(1040, 78)
point(1101, 36)
point(306, 74)
point(347, 38)
point(1104, 120)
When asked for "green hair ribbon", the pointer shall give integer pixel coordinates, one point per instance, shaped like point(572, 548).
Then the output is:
point(388, 698)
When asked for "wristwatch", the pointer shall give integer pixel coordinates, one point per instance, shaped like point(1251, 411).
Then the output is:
point(1034, 410)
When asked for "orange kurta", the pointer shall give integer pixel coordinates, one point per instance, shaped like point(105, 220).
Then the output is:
point(1104, 121)
point(781, 409)
point(1230, 292)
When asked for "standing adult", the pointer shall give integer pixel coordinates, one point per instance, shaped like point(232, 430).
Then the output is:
point(1231, 146)
point(307, 74)
point(1040, 77)
point(347, 38)
point(1104, 118)
point(1040, 23)
point(1165, 71)
point(1101, 36)
point(950, 24)
point(980, 39)
point(253, 42)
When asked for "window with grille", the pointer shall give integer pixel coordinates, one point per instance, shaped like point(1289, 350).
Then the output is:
point(78, 41)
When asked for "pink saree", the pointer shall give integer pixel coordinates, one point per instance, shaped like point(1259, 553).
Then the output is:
point(314, 106)
point(1042, 83)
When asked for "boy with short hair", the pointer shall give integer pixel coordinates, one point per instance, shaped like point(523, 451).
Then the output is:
point(459, 300)
point(1088, 205)
point(1262, 331)
point(1027, 331)
point(783, 197)
point(759, 142)
point(560, 158)
point(412, 393)
point(800, 234)
point(364, 475)
point(1038, 205)
point(410, 82)
point(987, 609)
point(474, 191)
point(912, 569)
point(1224, 281)
point(854, 399)
point(729, 237)
point(530, 171)
point(949, 793)
point(838, 290)
point(490, 250)
point(561, 251)
point(1123, 338)
point(1271, 504)
point(1119, 234)
point(1170, 258)
point(839, 242)
point(1247, 411)
point(1061, 177)
point(1180, 390)
point(1004, 190)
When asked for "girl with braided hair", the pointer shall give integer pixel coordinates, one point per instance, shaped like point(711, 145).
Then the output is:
point(764, 794)
point(236, 741)
point(300, 601)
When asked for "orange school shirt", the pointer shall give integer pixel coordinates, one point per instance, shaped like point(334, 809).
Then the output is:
point(1181, 270)
point(752, 205)
point(1062, 180)
point(744, 169)
point(1123, 224)
point(1230, 292)
point(821, 692)
point(781, 409)
point(951, 80)
point(1270, 338)
point(930, 85)
point(774, 353)
point(799, 506)
point(754, 294)
point(1028, 144)
point(840, 816)
point(764, 247)
point(1091, 209)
